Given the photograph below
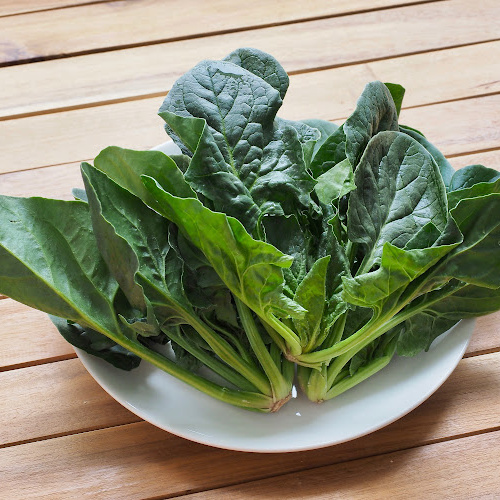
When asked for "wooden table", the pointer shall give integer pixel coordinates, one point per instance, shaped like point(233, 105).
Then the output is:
point(78, 75)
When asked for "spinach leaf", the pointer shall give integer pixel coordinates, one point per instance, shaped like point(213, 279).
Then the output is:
point(375, 112)
point(262, 65)
point(399, 190)
point(225, 116)
point(97, 344)
point(49, 260)
point(251, 269)
point(444, 165)
point(335, 183)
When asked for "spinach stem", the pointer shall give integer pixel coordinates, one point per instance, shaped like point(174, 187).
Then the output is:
point(280, 387)
point(211, 362)
point(244, 399)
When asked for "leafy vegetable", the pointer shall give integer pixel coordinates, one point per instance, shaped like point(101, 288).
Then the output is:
point(267, 243)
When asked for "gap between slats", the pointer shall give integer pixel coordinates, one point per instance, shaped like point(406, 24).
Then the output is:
point(222, 31)
point(311, 72)
point(451, 413)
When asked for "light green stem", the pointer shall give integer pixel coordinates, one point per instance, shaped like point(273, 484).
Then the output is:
point(280, 387)
point(214, 364)
point(244, 399)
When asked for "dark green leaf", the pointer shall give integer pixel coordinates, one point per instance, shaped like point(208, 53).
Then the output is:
point(96, 344)
point(263, 65)
point(252, 163)
point(125, 167)
point(444, 165)
point(399, 190)
point(330, 153)
point(397, 92)
point(375, 112)
point(477, 259)
point(49, 260)
point(251, 269)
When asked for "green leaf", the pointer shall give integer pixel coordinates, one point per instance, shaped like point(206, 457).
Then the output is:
point(335, 183)
point(375, 112)
point(444, 165)
point(97, 344)
point(473, 174)
point(308, 136)
point(477, 259)
point(325, 128)
point(125, 167)
point(468, 302)
point(475, 191)
point(262, 65)
point(398, 267)
point(49, 260)
point(251, 269)
point(399, 190)
point(330, 153)
point(253, 163)
point(397, 92)
point(132, 238)
point(311, 295)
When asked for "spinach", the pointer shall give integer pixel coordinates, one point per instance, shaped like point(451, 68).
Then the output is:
point(267, 243)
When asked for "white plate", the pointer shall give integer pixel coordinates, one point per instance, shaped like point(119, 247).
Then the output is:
point(176, 407)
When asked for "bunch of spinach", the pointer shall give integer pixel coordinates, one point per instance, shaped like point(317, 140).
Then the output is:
point(266, 243)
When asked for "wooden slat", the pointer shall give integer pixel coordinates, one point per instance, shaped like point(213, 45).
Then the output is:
point(464, 469)
point(15, 7)
point(489, 158)
point(486, 336)
point(151, 70)
point(28, 337)
point(61, 397)
point(116, 24)
point(468, 119)
point(140, 461)
point(456, 128)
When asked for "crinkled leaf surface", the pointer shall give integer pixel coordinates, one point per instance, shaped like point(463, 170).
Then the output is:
point(263, 65)
point(375, 112)
point(253, 163)
point(399, 190)
point(444, 165)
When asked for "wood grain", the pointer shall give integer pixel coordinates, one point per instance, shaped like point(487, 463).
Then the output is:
point(151, 71)
point(69, 136)
point(462, 469)
point(489, 158)
point(140, 461)
point(486, 336)
point(28, 337)
point(15, 7)
point(117, 24)
point(62, 398)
